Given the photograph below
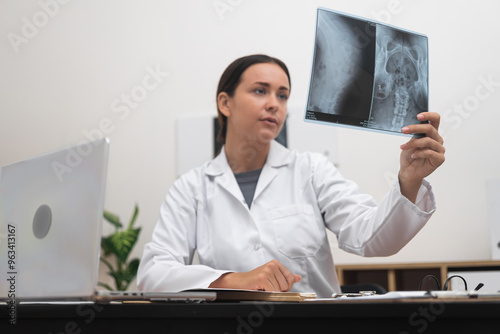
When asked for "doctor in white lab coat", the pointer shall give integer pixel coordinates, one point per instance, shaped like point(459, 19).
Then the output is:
point(257, 213)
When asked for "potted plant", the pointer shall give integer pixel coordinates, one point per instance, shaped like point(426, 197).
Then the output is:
point(119, 245)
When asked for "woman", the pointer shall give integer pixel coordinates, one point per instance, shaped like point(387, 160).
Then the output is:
point(257, 213)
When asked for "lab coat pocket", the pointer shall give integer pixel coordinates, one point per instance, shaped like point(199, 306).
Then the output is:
point(296, 231)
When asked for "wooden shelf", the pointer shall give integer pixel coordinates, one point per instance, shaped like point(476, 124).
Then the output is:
point(406, 276)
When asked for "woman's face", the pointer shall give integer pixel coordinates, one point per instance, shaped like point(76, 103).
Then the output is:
point(257, 110)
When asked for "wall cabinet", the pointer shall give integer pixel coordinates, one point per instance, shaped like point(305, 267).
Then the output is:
point(407, 276)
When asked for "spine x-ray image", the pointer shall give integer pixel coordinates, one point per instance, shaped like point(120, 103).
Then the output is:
point(400, 79)
point(366, 74)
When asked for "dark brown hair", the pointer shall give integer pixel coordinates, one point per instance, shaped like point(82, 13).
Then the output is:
point(231, 78)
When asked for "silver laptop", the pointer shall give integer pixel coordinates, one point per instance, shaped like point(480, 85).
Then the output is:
point(51, 210)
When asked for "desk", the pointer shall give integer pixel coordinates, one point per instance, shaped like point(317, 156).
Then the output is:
point(422, 316)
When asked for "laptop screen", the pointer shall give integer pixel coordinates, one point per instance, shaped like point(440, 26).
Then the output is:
point(51, 209)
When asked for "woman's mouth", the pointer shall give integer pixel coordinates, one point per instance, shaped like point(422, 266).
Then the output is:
point(270, 120)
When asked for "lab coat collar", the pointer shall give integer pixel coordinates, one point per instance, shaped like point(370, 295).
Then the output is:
point(278, 156)
point(219, 167)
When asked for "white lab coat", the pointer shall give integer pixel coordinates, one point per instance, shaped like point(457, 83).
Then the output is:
point(297, 196)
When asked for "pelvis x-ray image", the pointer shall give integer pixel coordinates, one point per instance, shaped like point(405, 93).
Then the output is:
point(401, 84)
point(366, 74)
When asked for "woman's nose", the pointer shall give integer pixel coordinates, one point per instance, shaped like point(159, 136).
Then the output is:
point(272, 103)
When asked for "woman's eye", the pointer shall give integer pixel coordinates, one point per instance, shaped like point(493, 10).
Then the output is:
point(283, 96)
point(259, 91)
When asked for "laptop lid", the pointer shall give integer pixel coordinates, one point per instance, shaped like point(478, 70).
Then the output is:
point(366, 74)
point(51, 209)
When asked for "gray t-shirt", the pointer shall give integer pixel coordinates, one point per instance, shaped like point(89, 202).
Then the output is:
point(248, 182)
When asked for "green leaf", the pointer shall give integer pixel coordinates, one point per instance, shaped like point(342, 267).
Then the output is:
point(134, 217)
point(123, 278)
point(123, 241)
point(113, 219)
point(118, 279)
point(130, 272)
point(107, 245)
point(131, 269)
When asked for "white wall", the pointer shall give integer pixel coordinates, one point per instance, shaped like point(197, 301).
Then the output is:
point(71, 73)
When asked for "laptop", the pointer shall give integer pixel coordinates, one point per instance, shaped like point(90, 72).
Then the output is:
point(51, 211)
point(366, 74)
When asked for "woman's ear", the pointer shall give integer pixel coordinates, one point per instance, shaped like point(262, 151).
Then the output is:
point(223, 103)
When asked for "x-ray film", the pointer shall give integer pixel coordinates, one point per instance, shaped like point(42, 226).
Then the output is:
point(367, 74)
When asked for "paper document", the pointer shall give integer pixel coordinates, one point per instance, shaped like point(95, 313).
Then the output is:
point(253, 295)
